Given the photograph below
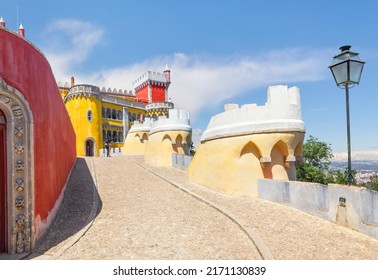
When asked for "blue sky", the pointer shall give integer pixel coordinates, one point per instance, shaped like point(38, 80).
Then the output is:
point(218, 52)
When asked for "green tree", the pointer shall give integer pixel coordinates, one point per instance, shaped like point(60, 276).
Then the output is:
point(373, 184)
point(317, 157)
point(316, 160)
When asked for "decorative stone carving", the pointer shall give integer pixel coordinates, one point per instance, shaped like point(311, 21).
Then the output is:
point(20, 221)
point(19, 166)
point(17, 112)
point(20, 242)
point(20, 185)
point(4, 99)
point(18, 148)
point(20, 202)
point(19, 131)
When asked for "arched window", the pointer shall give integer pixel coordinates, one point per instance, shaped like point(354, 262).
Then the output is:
point(108, 113)
point(114, 114)
point(114, 136)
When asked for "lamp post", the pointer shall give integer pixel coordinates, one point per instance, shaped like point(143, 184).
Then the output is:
point(346, 69)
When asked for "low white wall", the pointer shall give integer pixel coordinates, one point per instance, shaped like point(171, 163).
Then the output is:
point(181, 161)
point(353, 207)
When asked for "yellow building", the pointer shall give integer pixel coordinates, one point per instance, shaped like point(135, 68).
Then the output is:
point(107, 115)
point(250, 142)
point(99, 116)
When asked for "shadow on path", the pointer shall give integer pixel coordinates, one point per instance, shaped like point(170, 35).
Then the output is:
point(76, 211)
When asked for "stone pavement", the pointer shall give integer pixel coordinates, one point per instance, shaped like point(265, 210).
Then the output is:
point(122, 208)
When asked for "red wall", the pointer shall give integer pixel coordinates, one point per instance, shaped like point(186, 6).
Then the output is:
point(158, 93)
point(23, 67)
point(142, 95)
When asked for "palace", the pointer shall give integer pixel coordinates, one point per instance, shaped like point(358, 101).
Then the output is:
point(107, 115)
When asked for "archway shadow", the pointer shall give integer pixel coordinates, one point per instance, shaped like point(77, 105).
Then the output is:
point(76, 210)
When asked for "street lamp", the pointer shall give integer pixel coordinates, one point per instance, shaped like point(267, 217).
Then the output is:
point(346, 69)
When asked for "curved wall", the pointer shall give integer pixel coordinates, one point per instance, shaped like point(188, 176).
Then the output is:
point(24, 68)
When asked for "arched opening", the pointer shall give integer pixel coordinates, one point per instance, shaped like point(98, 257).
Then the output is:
point(3, 184)
point(89, 148)
point(249, 169)
point(278, 155)
point(178, 147)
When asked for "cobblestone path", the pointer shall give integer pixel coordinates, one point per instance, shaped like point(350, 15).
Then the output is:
point(147, 212)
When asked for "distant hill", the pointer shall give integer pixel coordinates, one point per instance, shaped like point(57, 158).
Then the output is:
point(359, 165)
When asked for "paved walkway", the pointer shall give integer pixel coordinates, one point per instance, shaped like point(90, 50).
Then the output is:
point(122, 208)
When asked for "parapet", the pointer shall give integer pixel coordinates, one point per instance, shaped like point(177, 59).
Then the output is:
point(157, 77)
point(141, 127)
point(178, 120)
point(281, 113)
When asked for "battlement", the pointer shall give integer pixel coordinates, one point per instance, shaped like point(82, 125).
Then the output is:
point(141, 127)
point(281, 113)
point(178, 120)
point(155, 77)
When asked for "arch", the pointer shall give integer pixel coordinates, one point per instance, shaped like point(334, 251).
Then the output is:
point(179, 146)
point(298, 149)
point(249, 169)
point(19, 172)
point(166, 137)
point(89, 147)
point(144, 137)
point(277, 166)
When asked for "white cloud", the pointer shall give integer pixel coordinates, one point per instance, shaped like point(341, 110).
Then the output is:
point(356, 155)
point(197, 80)
point(69, 43)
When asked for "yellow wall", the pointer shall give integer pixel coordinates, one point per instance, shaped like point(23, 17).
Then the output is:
point(232, 164)
point(77, 108)
point(160, 149)
point(136, 143)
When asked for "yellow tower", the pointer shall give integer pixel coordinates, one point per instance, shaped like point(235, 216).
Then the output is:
point(83, 103)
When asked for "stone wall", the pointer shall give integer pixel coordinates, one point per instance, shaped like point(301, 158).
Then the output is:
point(352, 207)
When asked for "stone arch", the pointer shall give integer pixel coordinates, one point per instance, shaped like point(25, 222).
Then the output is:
point(20, 170)
point(278, 155)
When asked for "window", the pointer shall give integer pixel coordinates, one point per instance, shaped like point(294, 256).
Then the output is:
point(104, 135)
point(134, 117)
point(109, 135)
point(114, 136)
point(89, 115)
point(108, 113)
point(130, 117)
point(114, 114)
point(138, 117)
point(120, 136)
point(103, 111)
point(120, 117)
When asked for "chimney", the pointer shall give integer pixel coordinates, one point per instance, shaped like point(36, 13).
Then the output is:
point(21, 31)
point(2, 22)
point(72, 81)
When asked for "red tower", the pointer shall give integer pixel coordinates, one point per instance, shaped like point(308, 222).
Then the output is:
point(152, 87)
